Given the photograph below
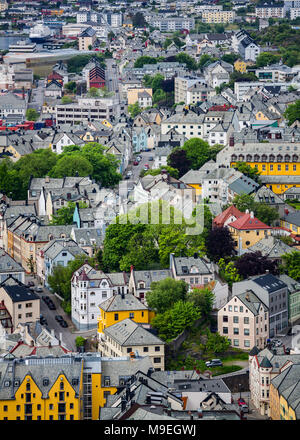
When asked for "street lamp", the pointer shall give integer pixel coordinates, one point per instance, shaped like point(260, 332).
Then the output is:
point(240, 385)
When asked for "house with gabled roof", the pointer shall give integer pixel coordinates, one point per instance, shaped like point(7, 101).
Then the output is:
point(89, 288)
point(247, 230)
point(126, 337)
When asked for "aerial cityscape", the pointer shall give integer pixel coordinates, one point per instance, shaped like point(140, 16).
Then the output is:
point(150, 212)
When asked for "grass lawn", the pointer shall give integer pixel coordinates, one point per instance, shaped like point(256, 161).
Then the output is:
point(193, 355)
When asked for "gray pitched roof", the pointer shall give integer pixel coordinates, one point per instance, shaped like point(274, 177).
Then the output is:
point(120, 303)
point(128, 333)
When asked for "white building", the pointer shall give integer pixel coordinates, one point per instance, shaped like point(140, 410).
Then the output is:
point(89, 288)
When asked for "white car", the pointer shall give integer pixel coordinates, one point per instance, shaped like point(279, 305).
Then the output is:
point(129, 173)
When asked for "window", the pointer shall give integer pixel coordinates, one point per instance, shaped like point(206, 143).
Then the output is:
point(129, 349)
point(131, 315)
point(157, 348)
point(246, 331)
point(225, 330)
point(116, 316)
point(225, 318)
point(145, 349)
point(236, 319)
point(235, 330)
point(236, 342)
point(157, 360)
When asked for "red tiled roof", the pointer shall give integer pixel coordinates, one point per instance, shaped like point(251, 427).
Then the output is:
point(221, 218)
point(247, 222)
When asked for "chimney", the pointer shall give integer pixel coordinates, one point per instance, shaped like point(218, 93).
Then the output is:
point(251, 214)
point(231, 141)
point(47, 179)
point(131, 268)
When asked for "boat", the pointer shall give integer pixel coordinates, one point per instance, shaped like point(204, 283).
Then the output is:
point(40, 33)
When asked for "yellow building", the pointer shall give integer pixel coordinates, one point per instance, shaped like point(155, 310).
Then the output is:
point(284, 394)
point(247, 231)
point(120, 307)
point(218, 16)
point(277, 162)
point(291, 221)
point(41, 389)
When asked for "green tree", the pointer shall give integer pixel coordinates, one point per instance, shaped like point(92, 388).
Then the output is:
point(291, 264)
point(32, 115)
point(93, 92)
point(79, 341)
point(134, 109)
point(216, 343)
point(141, 252)
point(66, 99)
point(249, 171)
point(64, 215)
point(229, 272)
point(266, 59)
point(198, 152)
point(156, 171)
point(186, 59)
point(145, 59)
point(173, 321)
point(292, 113)
point(219, 243)
point(163, 294)
point(71, 165)
point(203, 299)
point(71, 86)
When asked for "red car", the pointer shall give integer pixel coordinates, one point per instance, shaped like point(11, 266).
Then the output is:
point(135, 162)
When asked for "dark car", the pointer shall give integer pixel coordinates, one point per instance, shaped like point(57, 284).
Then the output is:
point(43, 320)
point(63, 323)
point(214, 363)
point(46, 298)
point(150, 158)
point(135, 163)
point(51, 305)
point(59, 318)
point(30, 284)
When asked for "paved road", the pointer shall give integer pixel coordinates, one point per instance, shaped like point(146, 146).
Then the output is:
point(66, 335)
point(112, 75)
point(37, 97)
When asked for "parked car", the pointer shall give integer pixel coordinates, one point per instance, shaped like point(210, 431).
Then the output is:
point(129, 173)
point(46, 298)
point(243, 405)
point(150, 159)
point(127, 177)
point(59, 318)
point(63, 323)
point(146, 167)
point(30, 284)
point(38, 289)
point(138, 158)
point(214, 363)
point(51, 305)
point(43, 320)
point(136, 162)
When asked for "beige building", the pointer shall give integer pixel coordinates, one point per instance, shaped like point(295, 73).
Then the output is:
point(22, 304)
point(127, 338)
point(3, 5)
point(86, 39)
point(218, 17)
point(244, 320)
point(141, 95)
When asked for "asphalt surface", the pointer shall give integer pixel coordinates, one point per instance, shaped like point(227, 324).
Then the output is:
point(66, 335)
point(37, 97)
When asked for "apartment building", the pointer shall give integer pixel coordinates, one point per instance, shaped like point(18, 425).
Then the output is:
point(86, 39)
point(269, 11)
point(244, 320)
point(195, 271)
point(264, 366)
point(21, 303)
point(214, 17)
point(41, 388)
point(172, 24)
point(127, 337)
point(189, 90)
point(89, 288)
point(274, 293)
point(88, 109)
